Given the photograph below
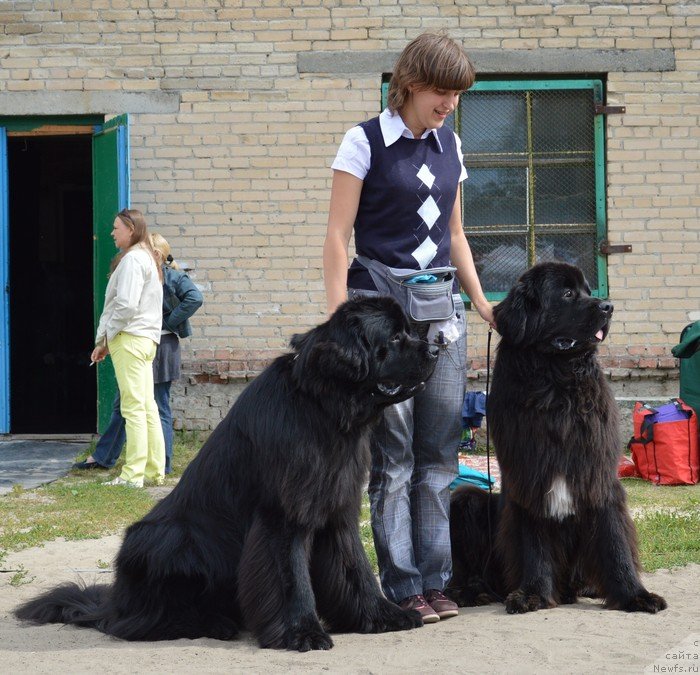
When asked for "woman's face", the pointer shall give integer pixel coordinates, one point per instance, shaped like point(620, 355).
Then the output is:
point(121, 234)
point(428, 109)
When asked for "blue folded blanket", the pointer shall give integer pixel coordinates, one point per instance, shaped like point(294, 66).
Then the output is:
point(469, 476)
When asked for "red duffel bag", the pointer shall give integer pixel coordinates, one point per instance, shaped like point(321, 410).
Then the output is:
point(626, 468)
point(665, 443)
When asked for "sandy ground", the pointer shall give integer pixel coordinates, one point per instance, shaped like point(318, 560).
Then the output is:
point(583, 638)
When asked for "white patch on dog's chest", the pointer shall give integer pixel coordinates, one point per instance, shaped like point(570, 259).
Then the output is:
point(560, 503)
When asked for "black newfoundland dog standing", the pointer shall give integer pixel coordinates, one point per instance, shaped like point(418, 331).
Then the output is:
point(262, 531)
point(560, 526)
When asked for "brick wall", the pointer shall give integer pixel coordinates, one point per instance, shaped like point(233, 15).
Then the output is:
point(238, 178)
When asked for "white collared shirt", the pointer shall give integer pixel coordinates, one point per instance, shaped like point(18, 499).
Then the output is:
point(133, 300)
point(354, 154)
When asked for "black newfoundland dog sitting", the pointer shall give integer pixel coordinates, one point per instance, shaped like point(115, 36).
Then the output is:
point(262, 531)
point(560, 526)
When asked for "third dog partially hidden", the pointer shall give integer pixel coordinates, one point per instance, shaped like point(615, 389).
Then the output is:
point(560, 527)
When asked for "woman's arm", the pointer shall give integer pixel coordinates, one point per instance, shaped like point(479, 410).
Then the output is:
point(128, 290)
point(190, 301)
point(461, 256)
point(101, 334)
point(345, 199)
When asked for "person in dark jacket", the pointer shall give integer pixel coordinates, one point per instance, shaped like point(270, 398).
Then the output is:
point(181, 299)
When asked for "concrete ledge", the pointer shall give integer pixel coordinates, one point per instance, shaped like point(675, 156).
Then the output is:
point(87, 102)
point(511, 61)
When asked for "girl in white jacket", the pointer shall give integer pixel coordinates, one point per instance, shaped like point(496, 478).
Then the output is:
point(129, 330)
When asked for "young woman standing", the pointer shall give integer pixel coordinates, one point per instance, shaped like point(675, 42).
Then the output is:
point(396, 185)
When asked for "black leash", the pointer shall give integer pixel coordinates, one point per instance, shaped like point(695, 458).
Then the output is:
point(488, 442)
point(488, 472)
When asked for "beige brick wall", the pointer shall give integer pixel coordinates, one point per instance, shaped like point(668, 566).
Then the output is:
point(238, 179)
point(653, 179)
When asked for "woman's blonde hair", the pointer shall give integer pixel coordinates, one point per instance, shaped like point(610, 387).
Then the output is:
point(135, 221)
point(162, 249)
point(431, 61)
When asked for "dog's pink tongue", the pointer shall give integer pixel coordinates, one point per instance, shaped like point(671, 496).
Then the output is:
point(600, 335)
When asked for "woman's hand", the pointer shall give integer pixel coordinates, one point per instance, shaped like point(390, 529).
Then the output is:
point(486, 313)
point(99, 353)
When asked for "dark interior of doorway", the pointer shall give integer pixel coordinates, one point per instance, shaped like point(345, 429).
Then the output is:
point(52, 388)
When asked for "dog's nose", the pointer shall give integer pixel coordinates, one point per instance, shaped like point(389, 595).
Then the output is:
point(606, 307)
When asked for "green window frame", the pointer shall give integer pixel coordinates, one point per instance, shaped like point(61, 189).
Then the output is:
point(535, 154)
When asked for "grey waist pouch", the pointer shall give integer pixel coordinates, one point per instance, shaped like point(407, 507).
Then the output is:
point(425, 295)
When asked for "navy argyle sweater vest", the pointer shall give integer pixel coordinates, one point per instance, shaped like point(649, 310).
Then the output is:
point(406, 203)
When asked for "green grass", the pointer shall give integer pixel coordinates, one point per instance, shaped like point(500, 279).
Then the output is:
point(668, 522)
point(668, 539)
point(643, 495)
point(366, 533)
point(78, 507)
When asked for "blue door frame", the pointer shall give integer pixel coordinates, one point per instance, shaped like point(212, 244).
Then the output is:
point(4, 289)
point(111, 182)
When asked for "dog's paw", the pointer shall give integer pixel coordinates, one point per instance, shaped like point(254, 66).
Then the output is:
point(226, 630)
point(519, 602)
point(458, 595)
point(568, 597)
point(588, 592)
point(472, 595)
point(307, 639)
point(302, 636)
point(482, 599)
point(642, 602)
point(390, 617)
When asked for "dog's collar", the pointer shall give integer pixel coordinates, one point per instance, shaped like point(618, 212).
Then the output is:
point(563, 343)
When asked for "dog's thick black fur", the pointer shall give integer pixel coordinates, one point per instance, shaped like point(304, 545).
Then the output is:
point(560, 526)
point(262, 531)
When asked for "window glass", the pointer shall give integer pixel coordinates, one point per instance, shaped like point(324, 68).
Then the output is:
point(565, 194)
point(562, 121)
point(486, 134)
point(495, 196)
point(533, 153)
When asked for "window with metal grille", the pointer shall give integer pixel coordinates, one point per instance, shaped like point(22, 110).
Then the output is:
point(536, 188)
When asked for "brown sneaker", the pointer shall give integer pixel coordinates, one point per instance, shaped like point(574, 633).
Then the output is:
point(442, 605)
point(419, 603)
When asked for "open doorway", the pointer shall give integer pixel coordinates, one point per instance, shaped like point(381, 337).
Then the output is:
point(52, 388)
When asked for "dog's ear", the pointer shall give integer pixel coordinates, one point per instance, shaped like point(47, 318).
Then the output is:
point(345, 362)
point(302, 344)
point(300, 339)
point(514, 312)
point(317, 352)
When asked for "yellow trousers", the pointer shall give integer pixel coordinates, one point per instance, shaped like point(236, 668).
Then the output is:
point(132, 356)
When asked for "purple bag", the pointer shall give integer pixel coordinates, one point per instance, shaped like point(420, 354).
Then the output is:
point(670, 412)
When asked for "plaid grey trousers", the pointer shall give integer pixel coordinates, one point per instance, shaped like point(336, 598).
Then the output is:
point(414, 460)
